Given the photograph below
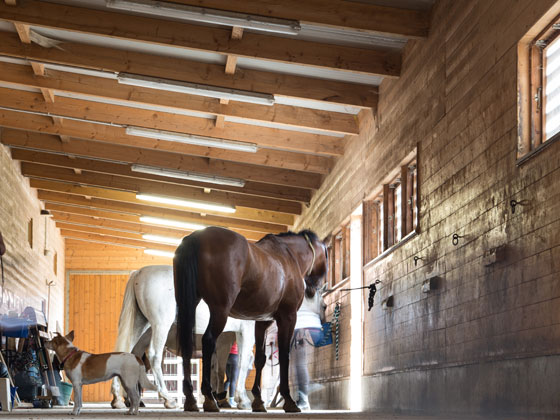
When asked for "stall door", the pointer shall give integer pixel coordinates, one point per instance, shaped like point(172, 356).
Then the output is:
point(94, 306)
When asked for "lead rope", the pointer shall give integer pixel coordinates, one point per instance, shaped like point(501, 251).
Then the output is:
point(312, 250)
point(336, 314)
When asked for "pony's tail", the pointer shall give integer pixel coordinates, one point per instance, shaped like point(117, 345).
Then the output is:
point(185, 271)
point(128, 315)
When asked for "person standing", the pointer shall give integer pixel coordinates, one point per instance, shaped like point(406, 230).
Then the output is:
point(307, 331)
point(232, 372)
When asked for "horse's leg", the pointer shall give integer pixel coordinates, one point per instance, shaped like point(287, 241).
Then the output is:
point(245, 343)
point(223, 346)
point(286, 324)
point(155, 356)
point(216, 325)
point(260, 360)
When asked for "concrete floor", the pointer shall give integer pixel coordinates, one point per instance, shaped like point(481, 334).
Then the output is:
point(103, 411)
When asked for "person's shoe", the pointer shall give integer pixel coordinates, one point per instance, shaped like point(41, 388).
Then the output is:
point(232, 403)
point(303, 402)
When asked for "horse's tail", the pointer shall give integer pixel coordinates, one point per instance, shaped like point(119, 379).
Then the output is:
point(143, 380)
point(185, 272)
point(128, 315)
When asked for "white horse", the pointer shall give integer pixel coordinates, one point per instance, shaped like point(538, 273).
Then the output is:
point(149, 300)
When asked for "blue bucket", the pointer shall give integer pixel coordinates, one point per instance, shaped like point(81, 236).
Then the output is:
point(65, 392)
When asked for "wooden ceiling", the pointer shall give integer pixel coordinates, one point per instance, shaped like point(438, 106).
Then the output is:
point(65, 115)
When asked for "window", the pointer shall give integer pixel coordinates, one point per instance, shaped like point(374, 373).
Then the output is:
point(392, 212)
point(539, 87)
point(340, 255)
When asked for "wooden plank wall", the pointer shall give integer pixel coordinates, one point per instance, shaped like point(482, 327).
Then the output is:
point(26, 268)
point(95, 302)
point(488, 339)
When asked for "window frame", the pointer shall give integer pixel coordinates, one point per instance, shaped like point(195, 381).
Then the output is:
point(382, 230)
point(531, 88)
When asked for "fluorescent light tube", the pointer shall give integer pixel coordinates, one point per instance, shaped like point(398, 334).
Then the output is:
point(204, 15)
point(192, 176)
point(162, 239)
point(198, 205)
point(171, 223)
point(192, 139)
point(159, 253)
point(196, 89)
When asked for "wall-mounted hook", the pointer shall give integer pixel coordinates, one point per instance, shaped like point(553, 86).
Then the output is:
point(514, 203)
point(416, 258)
point(455, 239)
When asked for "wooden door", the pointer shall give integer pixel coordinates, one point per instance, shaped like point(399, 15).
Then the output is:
point(94, 305)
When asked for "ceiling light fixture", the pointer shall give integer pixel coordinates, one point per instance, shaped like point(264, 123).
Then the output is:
point(204, 15)
point(159, 253)
point(196, 89)
point(162, 239)
point(171, 223)
point(191, 176)
point(192, 139)
point(192, 204)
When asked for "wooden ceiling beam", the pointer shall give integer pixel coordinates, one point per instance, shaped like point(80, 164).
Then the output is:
point(84, 164)
point(144, 186)
point(105, 239)
point(116, 209)
point(244, 213)
point(203, 165)
point(100, 88)
point(383, 62)
point(334, 13)
point(290, 142)
point(133, 226)
point(114, 60)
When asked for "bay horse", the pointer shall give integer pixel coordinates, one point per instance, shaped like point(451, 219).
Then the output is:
point(264, 281)
point(149, 301)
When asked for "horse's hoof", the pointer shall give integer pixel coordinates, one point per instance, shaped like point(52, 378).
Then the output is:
point(170, 404)
point(210, 406)
point(244, 405)
point(258, 406)
point(191, 406)
point(291, 407)
point(224, 403)
point(117, 404)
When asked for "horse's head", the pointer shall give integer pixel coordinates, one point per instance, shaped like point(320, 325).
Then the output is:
point(317, 273)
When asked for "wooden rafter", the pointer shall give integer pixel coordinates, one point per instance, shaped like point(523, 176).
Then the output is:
point(108, 59)
point(182, 35)
point(82, 204)
point(145, 186)
point(203, 165)
point(243, 213)
point(338, 13)
point(133, 225)
point(116, 118)
point(105, 239)
point(99, 88)
point(84, 164)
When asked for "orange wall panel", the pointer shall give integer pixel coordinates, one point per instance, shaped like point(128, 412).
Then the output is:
point(94, 307)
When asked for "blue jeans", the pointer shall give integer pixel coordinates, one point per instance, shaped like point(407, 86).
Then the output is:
point(301, 345)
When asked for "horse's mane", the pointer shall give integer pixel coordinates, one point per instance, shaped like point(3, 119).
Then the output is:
point(310, 234)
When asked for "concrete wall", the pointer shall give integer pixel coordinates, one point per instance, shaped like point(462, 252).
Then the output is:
point(26, 268)
point(488, 339)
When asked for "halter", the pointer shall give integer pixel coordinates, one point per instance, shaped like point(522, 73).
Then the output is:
point(312, 250)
